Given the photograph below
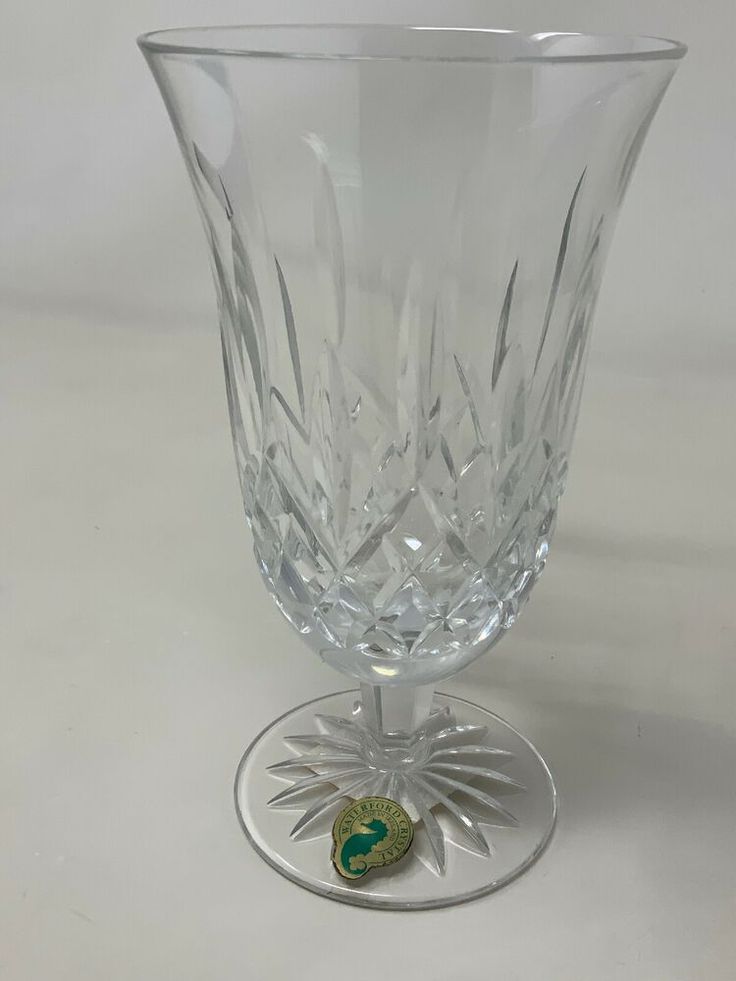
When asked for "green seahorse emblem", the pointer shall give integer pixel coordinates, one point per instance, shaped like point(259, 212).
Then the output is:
point(358, 846)
point(370, 833)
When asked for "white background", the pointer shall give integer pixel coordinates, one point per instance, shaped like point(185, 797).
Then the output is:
point(139, 654)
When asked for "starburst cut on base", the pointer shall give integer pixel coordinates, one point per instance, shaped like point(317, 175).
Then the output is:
point(445, 777)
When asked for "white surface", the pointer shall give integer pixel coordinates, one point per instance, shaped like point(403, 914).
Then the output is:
point(139, 653)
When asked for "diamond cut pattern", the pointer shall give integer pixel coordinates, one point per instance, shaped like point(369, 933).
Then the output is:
point(400, 525)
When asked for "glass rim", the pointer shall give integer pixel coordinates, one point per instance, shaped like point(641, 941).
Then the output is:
point(178, 40)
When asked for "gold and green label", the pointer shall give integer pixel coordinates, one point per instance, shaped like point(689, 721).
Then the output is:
point(368, 834)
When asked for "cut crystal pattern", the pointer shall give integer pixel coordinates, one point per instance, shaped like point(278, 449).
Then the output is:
point(400, 535)
point(452, 785)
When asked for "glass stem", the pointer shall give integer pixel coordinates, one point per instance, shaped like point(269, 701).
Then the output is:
point(395, 710)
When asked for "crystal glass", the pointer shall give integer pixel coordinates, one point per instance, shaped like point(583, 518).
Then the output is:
point(407, 229)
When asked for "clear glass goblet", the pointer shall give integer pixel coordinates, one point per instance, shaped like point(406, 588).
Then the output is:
point(407, 228)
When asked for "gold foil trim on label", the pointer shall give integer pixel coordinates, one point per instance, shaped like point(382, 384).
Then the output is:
point(370, 833)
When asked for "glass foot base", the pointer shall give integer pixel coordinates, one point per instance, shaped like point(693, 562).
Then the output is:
point(479, 795)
